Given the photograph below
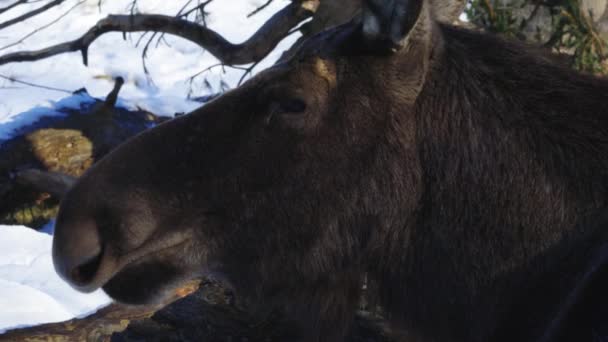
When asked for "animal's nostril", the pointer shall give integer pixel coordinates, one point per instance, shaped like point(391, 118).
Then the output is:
point(84, 273)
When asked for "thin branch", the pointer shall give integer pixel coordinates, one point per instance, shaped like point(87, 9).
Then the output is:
point(133, 7)
point(259, 9)
point(191, 78)
point(183, 8)
point(252, 50)
point(200, 7)
point(247, 72)
point(14, 80)
point(30, 14)
point(44, 26)
point(11, 6)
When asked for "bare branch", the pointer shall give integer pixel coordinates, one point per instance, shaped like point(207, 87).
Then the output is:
point(14, 80)
point(250, 51)
point(259, 9)
point(247, 72)
point(57, 184)
point(200, 8)
point(13, 5)
point(113, 95)
point(30, 14)
point(44, 26)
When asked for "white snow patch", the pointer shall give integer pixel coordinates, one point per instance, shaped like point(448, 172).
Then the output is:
point(30, 291)
point(11, 123)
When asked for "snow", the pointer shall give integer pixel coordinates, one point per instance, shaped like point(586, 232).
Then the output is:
point(30, 291)
point(11, 123)
point(163, 91)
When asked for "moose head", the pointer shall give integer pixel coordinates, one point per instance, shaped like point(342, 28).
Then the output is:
point(392, 146)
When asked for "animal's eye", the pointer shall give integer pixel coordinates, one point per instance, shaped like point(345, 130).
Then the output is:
point(289, 106)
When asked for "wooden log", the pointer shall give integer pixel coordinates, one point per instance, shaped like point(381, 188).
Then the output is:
point(97, 327)
point(56, 184)
point(60, 145)
point(196, 312)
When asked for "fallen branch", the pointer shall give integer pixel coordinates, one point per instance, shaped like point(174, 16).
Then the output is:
point(56, 184)
point(208, 314)
point(250, 51)
point(98, 326)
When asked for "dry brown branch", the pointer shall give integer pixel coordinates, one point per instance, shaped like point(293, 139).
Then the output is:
point(97, 327)
point(250, 51)
point(209, 314)
point(56, 184)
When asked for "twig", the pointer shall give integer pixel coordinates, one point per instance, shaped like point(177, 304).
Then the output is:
point(144, 53)
point(191, 78)
point(30, 14)
point(43, 27)
point(14, 80)
point(259, 9)
point(184, 7)
point(247, 72)
point(200, 7)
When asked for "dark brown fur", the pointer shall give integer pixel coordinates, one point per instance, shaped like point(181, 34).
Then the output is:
point(465, 175)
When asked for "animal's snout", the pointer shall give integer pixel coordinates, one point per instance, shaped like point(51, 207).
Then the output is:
point(77, 254)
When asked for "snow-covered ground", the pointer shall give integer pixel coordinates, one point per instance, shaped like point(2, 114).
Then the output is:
point(30, 291)
point(163, 91)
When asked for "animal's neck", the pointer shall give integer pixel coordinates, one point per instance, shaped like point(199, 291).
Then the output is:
point(512, 178)
point(531, 156)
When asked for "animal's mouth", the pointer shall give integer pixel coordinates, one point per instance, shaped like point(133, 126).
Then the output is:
point(108, 265)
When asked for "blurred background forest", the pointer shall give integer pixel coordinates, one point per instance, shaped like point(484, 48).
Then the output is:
point(576, 28)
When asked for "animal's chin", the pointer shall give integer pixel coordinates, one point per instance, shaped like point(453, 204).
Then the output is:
point(143, 283)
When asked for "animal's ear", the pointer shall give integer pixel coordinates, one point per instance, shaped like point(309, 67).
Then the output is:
point(387, 23)
point(447, 11)
point(582, 316)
